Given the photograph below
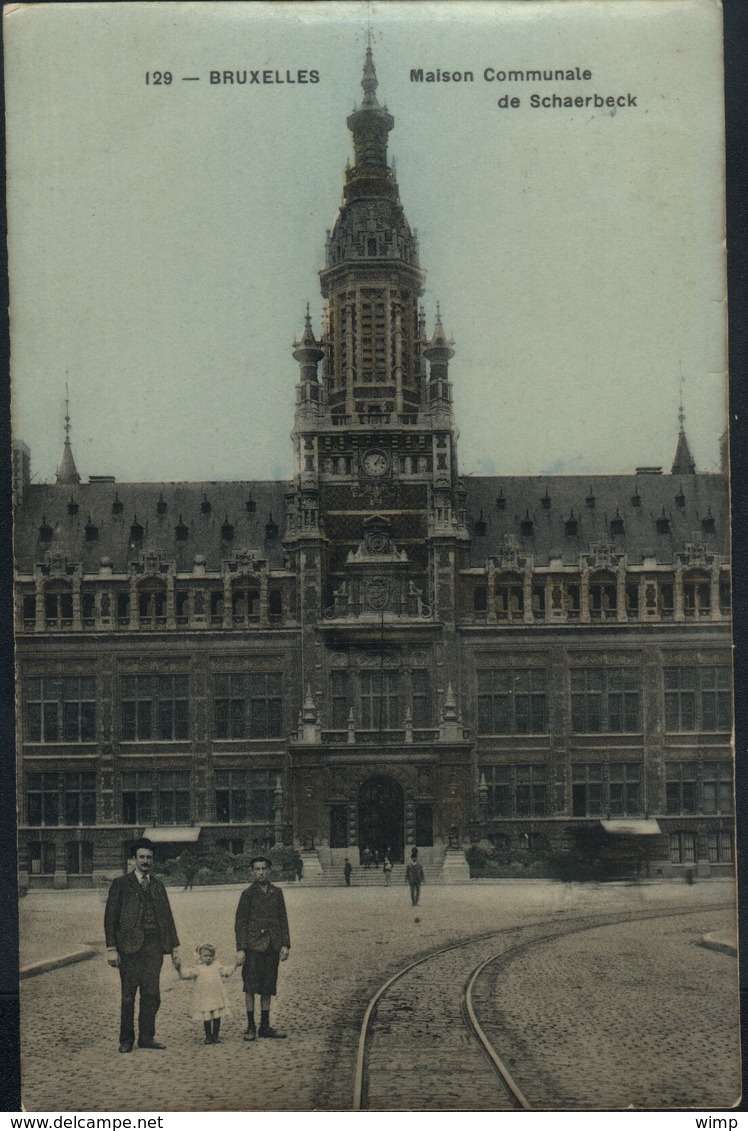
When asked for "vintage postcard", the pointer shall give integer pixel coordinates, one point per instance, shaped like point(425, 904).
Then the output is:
point(373, 604)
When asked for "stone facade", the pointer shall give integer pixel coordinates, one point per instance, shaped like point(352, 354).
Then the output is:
point(379, 653)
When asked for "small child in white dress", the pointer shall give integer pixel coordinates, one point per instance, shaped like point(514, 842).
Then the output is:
point(210, 1003)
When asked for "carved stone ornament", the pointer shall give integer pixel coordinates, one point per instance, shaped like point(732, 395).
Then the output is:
point(377, 593)
point(600, 556)
point(696, 554)
point(377, 541)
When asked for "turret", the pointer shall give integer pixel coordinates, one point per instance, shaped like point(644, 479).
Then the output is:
point(308, 354)
point(438, 352)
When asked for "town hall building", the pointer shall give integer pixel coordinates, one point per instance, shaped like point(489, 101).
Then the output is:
point(379, 653)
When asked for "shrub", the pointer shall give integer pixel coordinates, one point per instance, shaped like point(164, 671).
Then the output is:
point(214, 866)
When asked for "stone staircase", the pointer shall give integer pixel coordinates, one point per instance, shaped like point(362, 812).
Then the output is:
point(328, 875)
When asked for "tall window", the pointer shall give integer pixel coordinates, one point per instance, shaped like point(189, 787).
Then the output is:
point(248, 705)
point(598, 790)
point(681, 787)
point(380, 700)
point(512, 702)
point(699, 787)
point(245, 795)
point(79, 857)
point(422, 705)
point(159, 797)
point(339, 699)
point(41, 858)
point(61, 799)
point(61, 710)
point(58, 607)
point(154, 707)
point(683, 848)
point(719, 847)
point(697, 699)
point(605, 700)
point(516, 791)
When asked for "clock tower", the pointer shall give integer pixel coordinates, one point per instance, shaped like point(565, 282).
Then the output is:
point(374, 431)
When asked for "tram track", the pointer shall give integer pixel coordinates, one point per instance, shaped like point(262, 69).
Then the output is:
point(407, 1025)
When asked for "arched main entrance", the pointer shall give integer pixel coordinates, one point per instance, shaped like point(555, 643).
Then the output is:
point(381, 817)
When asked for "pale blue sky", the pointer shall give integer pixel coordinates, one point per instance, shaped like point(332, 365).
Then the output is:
point(165, 240)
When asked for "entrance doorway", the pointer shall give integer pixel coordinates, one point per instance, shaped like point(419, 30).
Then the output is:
point(381, 818)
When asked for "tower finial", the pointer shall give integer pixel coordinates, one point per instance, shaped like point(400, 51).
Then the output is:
point(67, 472)
point(369, 82)
point(683, 464)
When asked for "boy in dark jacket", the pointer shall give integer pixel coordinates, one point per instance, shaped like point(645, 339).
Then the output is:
point(262, 942)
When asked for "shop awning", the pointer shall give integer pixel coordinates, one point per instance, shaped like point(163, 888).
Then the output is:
point(173, 834)
point(623, 827)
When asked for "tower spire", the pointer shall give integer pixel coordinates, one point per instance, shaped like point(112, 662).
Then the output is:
point(67, 472)
point(683, 464)
point(370, 123)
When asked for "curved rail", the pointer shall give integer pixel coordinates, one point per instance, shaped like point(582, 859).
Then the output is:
point(583, 923)
point(475, 1027)
point(358, 1083)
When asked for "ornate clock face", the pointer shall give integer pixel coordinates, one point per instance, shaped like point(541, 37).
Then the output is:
point(375, 463)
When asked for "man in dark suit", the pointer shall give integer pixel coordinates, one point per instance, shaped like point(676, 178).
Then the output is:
point(139, 931)
point(262, 942)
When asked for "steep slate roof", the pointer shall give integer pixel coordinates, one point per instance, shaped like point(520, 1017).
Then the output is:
point(228, 502)
point(703, 496)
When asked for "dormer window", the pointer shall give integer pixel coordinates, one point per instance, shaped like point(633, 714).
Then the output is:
point(45, 531)
point(636, 499)
point(72, 506)
point(616, 527)
point(479, 526)
point(545, 502)
point(590, 501)
point(92, 531)
point(571, 526)
point(251, 505)
point(680, 499)
point(181, 532)
point(117, 506)
point(662, 524)
point(526, 526)
point(271, 530)
point(205, 506)
point(707, 524)
point(161, 506)
point(227, 530)
point(501, 502)
point(136, 533)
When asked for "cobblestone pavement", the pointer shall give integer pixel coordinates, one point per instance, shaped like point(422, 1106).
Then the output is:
point(634, 1015)
point(346, 942)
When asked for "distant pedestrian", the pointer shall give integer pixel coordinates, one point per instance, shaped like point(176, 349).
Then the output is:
point(387, 869)
point(262, 942)
point(189, 868)
point(347, 869)
point(139, 929)
point(414, 876)
point(366, 858)
point(210, 1002)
